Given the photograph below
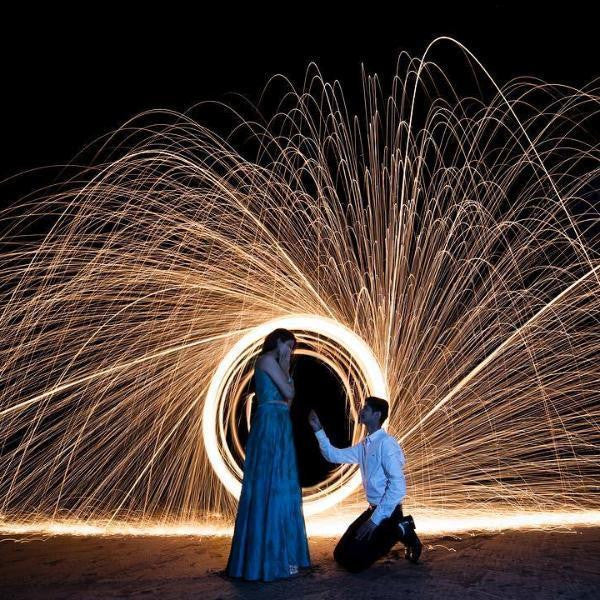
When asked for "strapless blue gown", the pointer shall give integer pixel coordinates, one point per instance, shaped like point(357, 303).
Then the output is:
point(269, 541)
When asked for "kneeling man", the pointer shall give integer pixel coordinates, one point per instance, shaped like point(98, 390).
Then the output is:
point(381, 462)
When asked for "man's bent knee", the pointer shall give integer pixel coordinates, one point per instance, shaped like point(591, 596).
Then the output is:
point(350, 563)
point(351, 556)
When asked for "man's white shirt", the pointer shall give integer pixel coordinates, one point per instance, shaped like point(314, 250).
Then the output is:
point(381, 463)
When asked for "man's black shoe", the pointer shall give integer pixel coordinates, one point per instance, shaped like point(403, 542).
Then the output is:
point(413, 552)
point(407, 528)
point(409, 537)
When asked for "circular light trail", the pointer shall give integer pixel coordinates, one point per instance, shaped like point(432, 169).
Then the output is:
point(239, 356)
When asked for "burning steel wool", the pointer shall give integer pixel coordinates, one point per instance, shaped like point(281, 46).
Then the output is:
point(439, 247)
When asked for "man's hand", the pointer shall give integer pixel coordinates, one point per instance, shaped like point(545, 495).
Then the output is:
point(314, 421)
point(365, 531)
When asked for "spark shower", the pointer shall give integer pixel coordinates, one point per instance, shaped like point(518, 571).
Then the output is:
point(438, 245)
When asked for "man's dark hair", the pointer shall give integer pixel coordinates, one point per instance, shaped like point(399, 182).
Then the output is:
point(379, 405)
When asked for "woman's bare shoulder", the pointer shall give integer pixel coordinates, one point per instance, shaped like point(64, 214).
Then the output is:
point(265, 361)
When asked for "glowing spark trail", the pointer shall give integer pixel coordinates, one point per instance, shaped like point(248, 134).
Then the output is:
point(495, 353)
point(440, 247)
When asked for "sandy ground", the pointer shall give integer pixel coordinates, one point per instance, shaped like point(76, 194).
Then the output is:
point(513, 564)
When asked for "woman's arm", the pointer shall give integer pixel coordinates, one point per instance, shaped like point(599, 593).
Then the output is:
point(282, 380)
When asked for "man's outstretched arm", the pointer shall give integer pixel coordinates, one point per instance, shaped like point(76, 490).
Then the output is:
point(331, 453)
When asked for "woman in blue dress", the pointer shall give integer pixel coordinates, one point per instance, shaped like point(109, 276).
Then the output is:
point(269, 541)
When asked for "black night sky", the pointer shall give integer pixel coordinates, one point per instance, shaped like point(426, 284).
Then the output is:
point(71, 76)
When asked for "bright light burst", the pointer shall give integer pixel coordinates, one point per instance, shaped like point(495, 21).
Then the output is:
point(448, 233)
point(347, 347)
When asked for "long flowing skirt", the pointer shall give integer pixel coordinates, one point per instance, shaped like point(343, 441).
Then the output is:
point(269, 541)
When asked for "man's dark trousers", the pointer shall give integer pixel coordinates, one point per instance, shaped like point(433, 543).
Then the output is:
point(357, 555)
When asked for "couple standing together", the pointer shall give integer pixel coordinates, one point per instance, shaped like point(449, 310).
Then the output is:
point(269, 541)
